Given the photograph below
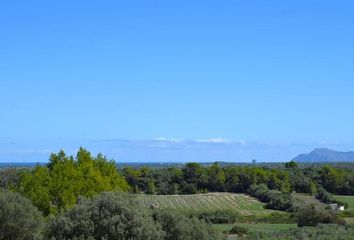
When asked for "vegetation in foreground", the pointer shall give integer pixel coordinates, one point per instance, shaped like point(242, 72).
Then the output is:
point(105, 216)
point(321, 232)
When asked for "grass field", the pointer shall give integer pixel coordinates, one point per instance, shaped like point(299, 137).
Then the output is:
point(255, 227)
point(302, 199)
point(243, 204)
point(347, 199)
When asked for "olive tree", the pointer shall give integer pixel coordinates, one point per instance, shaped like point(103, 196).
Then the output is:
point(19, 219)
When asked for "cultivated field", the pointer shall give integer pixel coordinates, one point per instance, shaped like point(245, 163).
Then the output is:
point(244, 204)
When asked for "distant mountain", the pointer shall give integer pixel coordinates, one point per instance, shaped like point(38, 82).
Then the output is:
point(325, 155)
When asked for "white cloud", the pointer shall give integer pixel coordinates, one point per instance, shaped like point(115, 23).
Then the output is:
point(162, 139)
point(221, 140)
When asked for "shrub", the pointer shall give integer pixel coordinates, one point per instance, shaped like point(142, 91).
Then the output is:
point(179, 227)
point(10, 177)
point(238, 230)
point(219, 216)
point(107, 216)
point(324, 196)
point(19, 219)
point(312, 215)
point(275, 199)
point(322, 232)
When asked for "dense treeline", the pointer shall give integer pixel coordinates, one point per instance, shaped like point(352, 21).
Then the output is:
point(196, 178)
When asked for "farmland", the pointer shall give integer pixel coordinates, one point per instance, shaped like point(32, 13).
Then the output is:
point(243, 204)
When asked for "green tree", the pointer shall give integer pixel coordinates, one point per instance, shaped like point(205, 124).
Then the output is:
point(291, 164)
point(151, 188)
point(216, 178)
point(56, 187)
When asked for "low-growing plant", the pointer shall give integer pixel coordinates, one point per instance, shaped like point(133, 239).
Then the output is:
point(219, 216)
point(238, 230)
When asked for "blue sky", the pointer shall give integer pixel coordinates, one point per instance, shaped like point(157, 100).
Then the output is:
point(75, 72)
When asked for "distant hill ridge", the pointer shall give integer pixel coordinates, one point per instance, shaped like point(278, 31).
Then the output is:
point(325, 155)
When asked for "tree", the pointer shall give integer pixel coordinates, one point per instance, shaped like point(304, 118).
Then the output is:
point(55, 188)
point(216, 178)
point(19, 219)
point(151, 188)
point(291, 164)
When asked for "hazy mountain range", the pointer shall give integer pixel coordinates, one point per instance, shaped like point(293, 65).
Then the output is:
point(325, 155)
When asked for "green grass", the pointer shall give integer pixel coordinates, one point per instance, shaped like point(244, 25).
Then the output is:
point(255, 227)
point(242, 203)
point(302, 199)
point(348, 199)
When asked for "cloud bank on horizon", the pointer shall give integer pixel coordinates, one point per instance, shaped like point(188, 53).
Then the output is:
point(166, 150)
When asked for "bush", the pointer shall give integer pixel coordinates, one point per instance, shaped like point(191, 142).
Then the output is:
point(275, 199)
point(238, 230)
point(312, 215)
point(19, 219)
point(282, 202)
point(324, 196)
point(10, 177)
point(219, 216)
point(322, 232)
point(107, 216)
point(179, 227)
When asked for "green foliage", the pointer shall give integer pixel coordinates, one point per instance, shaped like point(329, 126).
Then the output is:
point(151, 188)
point(189, 188)
point(291, 164)
point(324, 196)
point(219, 216)
point(216, 178)
point(322, 232)
point(10, 177)
point(312, 215)
point(238, 230)
point(19, 219)
point(120, 216)
point(108, 216)
point(56, 187)
point(179, 227)
point(275, 199)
